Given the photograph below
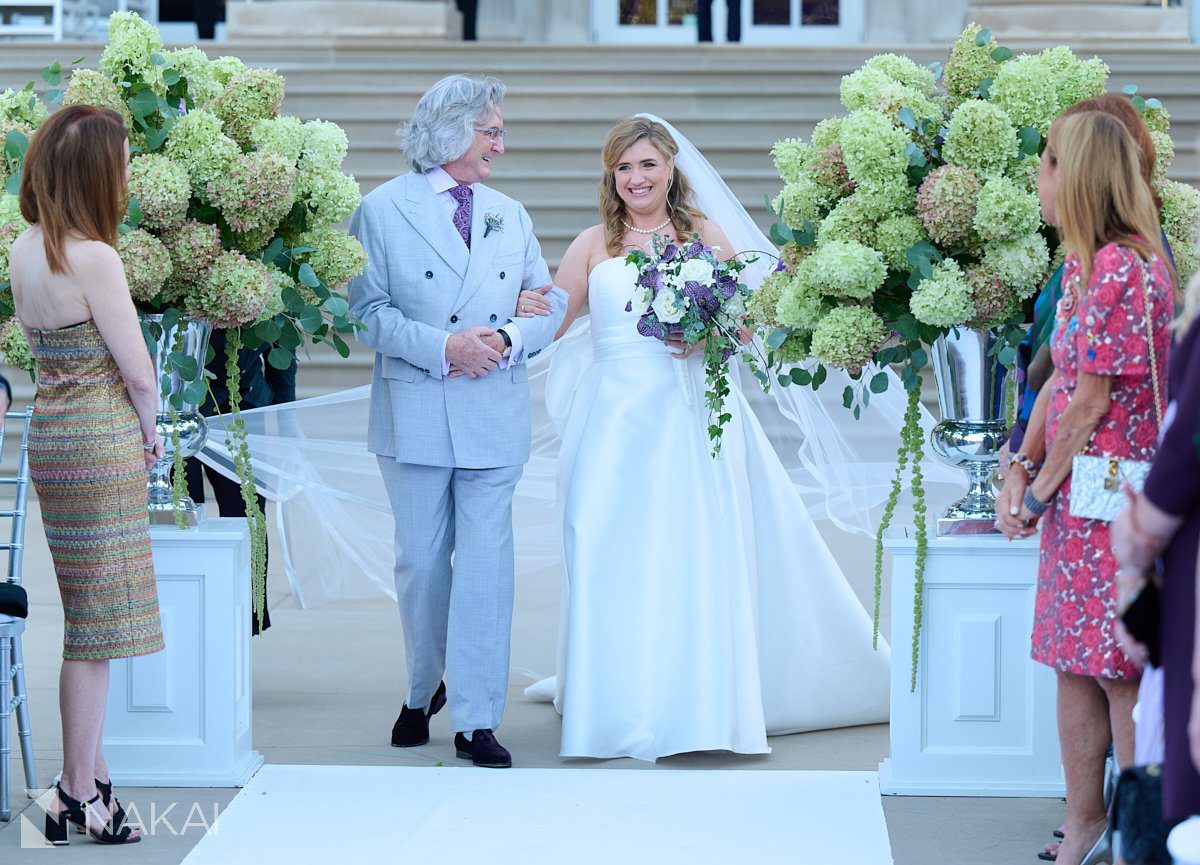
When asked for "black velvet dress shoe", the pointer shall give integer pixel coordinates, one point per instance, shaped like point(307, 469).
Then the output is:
point(412, 727)
point(482, 749)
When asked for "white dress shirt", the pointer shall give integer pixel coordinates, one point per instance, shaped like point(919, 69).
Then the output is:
point(442, 183)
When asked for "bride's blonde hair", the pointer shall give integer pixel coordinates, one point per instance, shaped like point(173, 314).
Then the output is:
point(686, 218)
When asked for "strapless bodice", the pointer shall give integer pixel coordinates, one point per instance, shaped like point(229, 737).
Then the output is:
point(614, 331)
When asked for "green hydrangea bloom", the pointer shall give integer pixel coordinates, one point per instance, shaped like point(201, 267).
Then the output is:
point(905, 71)
point(198, 144)
point(943, 299)
point(225, 69)
point(844, 268)
point(994, 302)
point(895, 235)
point(193, 247)
point(1022, 263)
point(792, 157)
point(162, 188)
point(847, 337)
point(330, 195)
point(762, 307)
point(131, 42)
point(194, 65)
point(889, 199)
point(793, 253)
point(801, 200)
point(1157, 119)
point(800, 304)
point(1083, 80)
point(969, 64)
point(325, 146)
point(233, 292)
point(1180, 212)
point(1025, 172)
point(981, 136)
point(14, 346)
point(23, 107)
point(795, 348)
point(1187, 264)
point(281, 134)
point(829, 171)
point(9, 231)
point(860, 89)
point(250, 96)
point(847, 221)
point(894, 96)
point(147, 263)
point(1024, 89)
point(1164, 155)
point(874, 150)
point(826, 133)
point(1006, 210)
point(256, 192)
point(10, 210)
point(93, 87)
point(279, 282)
point(337, 258)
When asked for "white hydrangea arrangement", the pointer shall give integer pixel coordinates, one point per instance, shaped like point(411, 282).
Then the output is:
point(232, 208)
point(917, 212)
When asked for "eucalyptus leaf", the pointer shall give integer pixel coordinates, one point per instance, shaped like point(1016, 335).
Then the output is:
point(184, 366)
point(310, 318)
point(195, 392)
point(281, 358)
point(344, 351)
point(170, 317)
point(848, 396)
point(1000, 54)
point(918, 358)
point(272, 251)
point(52, 74)
point(292, 300)
point(170, 77)
point(784, 381)
point(879, 383)
point(936, 68)
point(15, 144)
point(1153, 103)
point(1129, 89)
point(1030, 140)
point(157, 59)
point(983, 37)
point(985, 88)
point(776, 338)
point(134, 213)
point(801, 377)
point(1008, 355)
point(79, 59)
point(906, 326)
point(54, 96)
point(155, 138)
point(1139, 103)
point(308, 276)
point(337, 306)
point(13, 185)
point(290, 336)
point(819, 377)
point(908, 118)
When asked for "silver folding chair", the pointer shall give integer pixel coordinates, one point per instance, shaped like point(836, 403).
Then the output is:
point(13, 696)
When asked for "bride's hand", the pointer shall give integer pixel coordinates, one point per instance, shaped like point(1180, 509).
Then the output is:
point(685, 349)
point(531, 303)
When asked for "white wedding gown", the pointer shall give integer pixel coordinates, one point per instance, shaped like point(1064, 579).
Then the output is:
point(702, 609)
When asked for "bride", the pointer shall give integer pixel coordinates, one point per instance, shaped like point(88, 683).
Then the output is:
point(702, 610)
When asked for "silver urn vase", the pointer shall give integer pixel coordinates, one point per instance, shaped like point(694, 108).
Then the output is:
point(187, 421)
point(971, 384)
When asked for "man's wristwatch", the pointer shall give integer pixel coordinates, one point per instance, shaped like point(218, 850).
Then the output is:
point(507, 341)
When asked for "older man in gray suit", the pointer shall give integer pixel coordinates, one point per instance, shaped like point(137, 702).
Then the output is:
point(449, 424)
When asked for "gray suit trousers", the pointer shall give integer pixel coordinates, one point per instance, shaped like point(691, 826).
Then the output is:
point(454, 584)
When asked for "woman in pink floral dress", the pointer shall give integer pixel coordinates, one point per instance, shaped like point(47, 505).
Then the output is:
point(1102, 398)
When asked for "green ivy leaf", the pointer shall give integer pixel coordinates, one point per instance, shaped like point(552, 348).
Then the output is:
point(281, 358)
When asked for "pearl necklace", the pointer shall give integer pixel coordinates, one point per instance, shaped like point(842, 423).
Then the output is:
point(653, 230)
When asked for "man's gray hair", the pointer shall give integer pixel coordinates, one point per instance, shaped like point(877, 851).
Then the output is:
point(443, 125)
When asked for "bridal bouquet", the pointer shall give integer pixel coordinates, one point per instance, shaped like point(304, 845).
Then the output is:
point(917, 213)
point(232, 210)
point(685, 292)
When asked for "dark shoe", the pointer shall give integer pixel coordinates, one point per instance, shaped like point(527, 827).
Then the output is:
point(483, 750)
point(106, 799)
point(412, 727)
point(74, 811)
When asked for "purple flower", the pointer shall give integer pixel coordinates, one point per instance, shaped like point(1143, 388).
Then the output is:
point(780, 266)
point(629, 306)
point(727, 286)
point(652, 279)
point(670, 253)
point(726, 353)
point(649, 325)
point(697, 249)
point(702, 295)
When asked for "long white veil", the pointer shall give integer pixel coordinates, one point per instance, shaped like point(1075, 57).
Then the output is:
point(332, 515)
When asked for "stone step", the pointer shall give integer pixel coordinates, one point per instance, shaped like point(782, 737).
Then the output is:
point(1060, 22)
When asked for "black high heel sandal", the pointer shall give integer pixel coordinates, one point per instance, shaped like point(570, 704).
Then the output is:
point(106, 797)
point(74, 811)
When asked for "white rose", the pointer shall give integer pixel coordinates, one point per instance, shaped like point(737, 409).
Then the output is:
point(696, 270)
point(667, 306)
point(735, 306)
point(641, 302)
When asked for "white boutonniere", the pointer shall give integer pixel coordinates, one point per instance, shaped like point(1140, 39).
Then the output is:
point(492, 222)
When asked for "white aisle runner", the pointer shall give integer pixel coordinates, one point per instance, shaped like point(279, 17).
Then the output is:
point(338, 815)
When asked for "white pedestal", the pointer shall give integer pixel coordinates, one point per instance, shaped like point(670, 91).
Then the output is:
point(182, 717)
point(982, 719)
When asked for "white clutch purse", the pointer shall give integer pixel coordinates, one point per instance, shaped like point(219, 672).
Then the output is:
point(1098, 482)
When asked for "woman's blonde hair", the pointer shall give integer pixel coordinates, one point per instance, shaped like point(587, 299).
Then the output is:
point(1102, 196)
point(685, 217)
point(74, 179)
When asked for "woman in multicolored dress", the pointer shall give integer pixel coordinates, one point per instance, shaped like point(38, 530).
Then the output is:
point(92, 437)
point(1109, 349)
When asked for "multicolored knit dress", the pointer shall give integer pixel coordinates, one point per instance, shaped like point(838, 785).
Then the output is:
point(86, 463)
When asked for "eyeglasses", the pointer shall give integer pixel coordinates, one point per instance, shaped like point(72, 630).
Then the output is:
point(492, 133)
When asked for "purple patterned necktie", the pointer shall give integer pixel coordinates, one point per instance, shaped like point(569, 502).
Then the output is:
point(462, 213)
